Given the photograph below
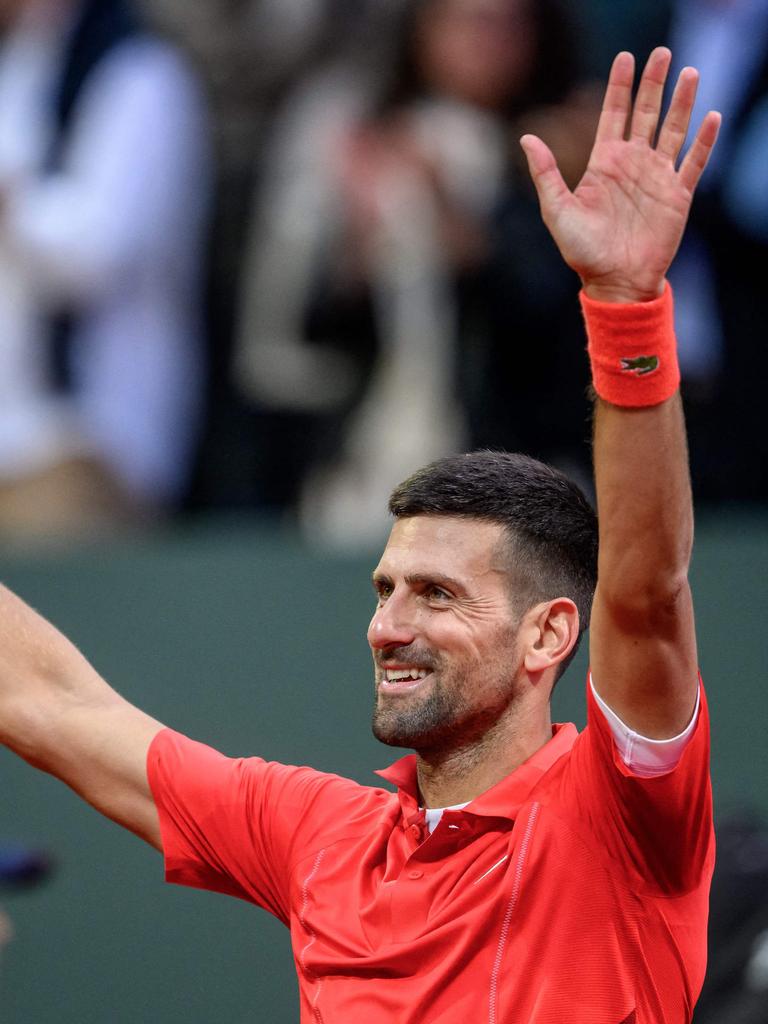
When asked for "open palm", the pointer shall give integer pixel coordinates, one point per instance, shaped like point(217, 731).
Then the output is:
point(620, 228)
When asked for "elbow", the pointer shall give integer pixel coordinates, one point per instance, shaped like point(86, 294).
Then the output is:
point(23, 730)
point(647, 606)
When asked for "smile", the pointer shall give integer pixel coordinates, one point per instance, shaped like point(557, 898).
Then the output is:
point(402, 679)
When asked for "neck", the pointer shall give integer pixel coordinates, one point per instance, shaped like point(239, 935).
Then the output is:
point(460, 773)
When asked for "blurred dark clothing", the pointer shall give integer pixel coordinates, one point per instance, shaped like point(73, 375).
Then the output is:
point(99, 28)
point(523, 374)
point(22, 867)
point(718, 276)
point(736, 987)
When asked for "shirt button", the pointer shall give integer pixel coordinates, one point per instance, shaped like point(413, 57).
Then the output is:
point(416, 831)
point(415, 874)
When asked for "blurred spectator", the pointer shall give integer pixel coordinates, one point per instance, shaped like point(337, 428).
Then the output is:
point(720, 294)
point(252, 53)
point(104, 183)
point(401, 297)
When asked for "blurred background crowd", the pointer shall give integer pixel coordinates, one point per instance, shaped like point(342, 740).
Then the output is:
point(270, 255)
point(266, 257)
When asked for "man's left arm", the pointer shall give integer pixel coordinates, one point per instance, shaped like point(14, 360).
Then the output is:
point(620, 230)
point(642, 641)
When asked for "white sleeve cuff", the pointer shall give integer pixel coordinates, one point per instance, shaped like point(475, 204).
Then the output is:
point(646, 757)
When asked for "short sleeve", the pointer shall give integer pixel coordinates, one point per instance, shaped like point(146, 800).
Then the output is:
point(658, 828)
point(645, 756)
point(238, 825)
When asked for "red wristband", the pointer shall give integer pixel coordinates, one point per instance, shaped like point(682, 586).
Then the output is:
point(632, 349)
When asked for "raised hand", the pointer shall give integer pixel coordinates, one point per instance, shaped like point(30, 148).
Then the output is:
point(621, 227)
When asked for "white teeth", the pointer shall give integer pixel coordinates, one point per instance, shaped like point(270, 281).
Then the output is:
point(394, 674)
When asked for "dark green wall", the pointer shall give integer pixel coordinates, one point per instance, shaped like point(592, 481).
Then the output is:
point(243, 639)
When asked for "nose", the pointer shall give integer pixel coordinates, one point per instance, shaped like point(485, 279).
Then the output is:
point(391, 625)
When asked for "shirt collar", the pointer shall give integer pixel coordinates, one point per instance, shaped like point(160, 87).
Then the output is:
point(500, 801)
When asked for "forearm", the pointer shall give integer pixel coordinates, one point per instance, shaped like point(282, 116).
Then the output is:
point(643, 647)
point(644, 504)
point(41, 675)
point(58, 713)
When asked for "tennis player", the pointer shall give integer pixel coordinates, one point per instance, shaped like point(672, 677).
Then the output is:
point(521, 872)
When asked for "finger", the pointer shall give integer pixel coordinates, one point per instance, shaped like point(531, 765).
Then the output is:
point(618, 99)
point(547, 179)
point(675, 126)
point(645, 114)
point(697, 156)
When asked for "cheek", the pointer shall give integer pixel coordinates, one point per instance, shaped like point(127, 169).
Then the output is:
point(461, 646)
point(499, 653)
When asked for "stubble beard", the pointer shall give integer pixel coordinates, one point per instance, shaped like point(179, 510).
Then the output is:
point(416, 722)
point(443, 719)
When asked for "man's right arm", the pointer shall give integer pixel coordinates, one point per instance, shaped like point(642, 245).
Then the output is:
point(59, 715)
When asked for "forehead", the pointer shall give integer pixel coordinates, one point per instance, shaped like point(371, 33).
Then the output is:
point(448, 545)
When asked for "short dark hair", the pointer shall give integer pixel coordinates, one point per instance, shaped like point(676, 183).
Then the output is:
point(551, 526)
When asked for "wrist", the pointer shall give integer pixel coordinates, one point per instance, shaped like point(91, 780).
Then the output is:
point(618, 292)
point(632, 349)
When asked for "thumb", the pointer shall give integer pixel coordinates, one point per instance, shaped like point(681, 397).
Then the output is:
point(547, 179)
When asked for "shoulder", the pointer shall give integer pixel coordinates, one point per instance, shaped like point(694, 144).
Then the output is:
point(623, 811)
point(177, 762)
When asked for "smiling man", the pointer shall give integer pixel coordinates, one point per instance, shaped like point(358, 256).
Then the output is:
point(471, 612)
point(522, 872)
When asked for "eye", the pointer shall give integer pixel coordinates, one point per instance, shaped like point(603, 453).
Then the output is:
point(435, 593)
point(383, 590)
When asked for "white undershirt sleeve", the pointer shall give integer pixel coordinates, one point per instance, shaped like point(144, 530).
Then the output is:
point(646, 757)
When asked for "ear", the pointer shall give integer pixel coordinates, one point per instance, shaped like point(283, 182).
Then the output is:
point(550, 631)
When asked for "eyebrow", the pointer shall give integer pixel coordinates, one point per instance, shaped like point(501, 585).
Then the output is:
point(422, 578)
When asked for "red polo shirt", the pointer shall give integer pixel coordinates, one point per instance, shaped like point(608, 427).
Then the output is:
point(572, 891)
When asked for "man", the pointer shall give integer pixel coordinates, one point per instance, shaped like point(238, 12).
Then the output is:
point(521, 873)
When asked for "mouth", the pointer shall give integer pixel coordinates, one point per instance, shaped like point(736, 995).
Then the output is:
point(403, 679)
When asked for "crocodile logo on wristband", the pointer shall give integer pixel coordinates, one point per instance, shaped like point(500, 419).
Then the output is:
point(641, 366)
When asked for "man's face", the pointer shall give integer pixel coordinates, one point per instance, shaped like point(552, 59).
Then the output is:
point(443, 635)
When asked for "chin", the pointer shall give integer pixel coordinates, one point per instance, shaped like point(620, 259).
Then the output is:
point(394, 734)
point(414, 735)
point(389, 732)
